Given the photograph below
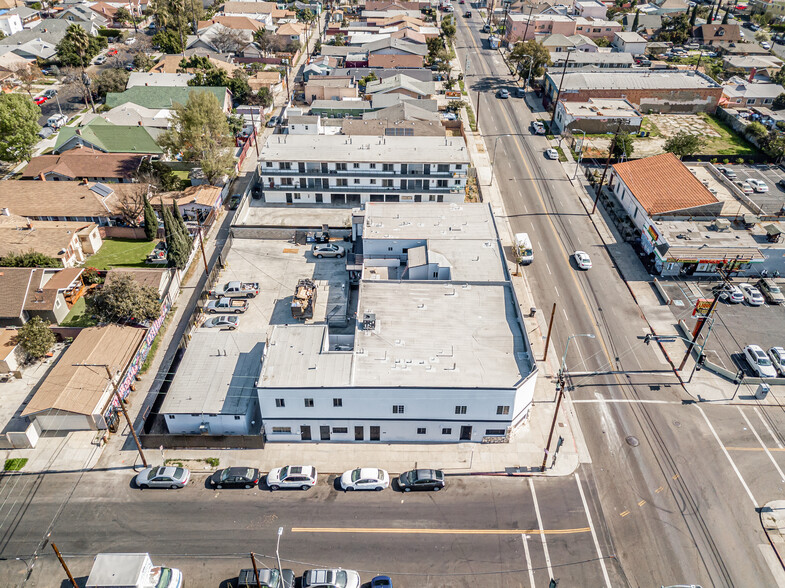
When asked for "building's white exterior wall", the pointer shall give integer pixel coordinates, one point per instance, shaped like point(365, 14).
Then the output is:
point(217, 424)
point(432, 409)
point(10, 24)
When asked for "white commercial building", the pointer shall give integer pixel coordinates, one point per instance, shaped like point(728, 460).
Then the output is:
point(341, 169)
point(438, 353)
point(10, 24)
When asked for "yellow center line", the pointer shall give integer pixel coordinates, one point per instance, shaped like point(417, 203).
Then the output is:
point(398, 531)
point(755, 449)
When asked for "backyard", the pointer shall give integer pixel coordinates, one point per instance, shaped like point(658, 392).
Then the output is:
point(121, 253)
point(78, 316)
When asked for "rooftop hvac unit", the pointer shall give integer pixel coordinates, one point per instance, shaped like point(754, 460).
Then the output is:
point(369, 321)
point(204, 429)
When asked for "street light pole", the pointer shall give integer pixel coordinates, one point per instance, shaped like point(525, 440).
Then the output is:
point(277, 554)
point(567, 346)
point(580, 156)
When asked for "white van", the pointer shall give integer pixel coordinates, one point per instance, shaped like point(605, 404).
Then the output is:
point(524, 254)
point(56, 121)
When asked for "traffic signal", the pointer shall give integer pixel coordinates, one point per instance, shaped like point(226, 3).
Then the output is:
point(647, 339)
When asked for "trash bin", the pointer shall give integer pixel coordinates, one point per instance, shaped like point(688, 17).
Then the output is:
point(762, 390)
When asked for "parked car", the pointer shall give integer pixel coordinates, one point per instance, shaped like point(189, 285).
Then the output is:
point(331, 579)
point(272, 122)
point(467, 14)
point(765, 45)
point(551, 153)
point(303, 477)
point(382, 581)
point(222, 322)
point(268, 578)
point(520, 92)
point(771, 291)
point(503, 93)
point(729, 293)
point(100, 60)
point(46, 132)
point(163, 477)
point(130, 40)
point(777, 355)
point(365, 479)
point(112, 52)
point(759, 361)
point(50, 93)
point(729, 173)
point(745, 187)
point(421, 480)
point(237, 477)
point(758, 185)
point(538, 127)
point(233, 305)
point(237, 289)
point(327, 250)
point(751, 294)
point(40, 100)
point(582, 259)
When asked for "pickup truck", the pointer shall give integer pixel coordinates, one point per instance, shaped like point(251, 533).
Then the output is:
point(237, 290)
point(226, 305)
point(131, 570)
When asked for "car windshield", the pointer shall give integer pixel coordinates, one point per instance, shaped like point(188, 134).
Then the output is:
point(165, 578)
point(775, 290)
point(355, 475)
point(380, 474)
point(764, 361)
point(178, 472)
point(340, 579)
point(284, 472)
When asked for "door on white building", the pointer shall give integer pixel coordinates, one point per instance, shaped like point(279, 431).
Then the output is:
point(466, 433)
point(358, 433)
point(375, 433)
point(324, 432)
point(305, 432)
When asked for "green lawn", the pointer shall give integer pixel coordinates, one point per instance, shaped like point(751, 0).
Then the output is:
point(121, 253)
point(78, 317)
point(728, 143)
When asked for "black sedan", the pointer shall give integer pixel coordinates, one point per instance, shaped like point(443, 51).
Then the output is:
point(421, 480)
point(235, 478)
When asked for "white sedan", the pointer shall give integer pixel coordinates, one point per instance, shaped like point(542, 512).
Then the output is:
point(777, 355)
point(744, 187)
point(758, 185)
point(751, 294)
point(759, 361)
point(365, 479)
point(551, 153)
point(222, 322)
point(582, 259)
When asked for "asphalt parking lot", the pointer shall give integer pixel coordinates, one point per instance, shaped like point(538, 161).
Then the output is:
point(735, 325)
point(771, 202)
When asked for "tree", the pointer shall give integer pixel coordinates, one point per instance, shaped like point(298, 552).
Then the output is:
point(755, 129)
point(263, 97)
point(123, 16)
point(779, 77)
point(622, 145)
point(683, 143)
point(371, 77)
point(434, 44)
point(338, 40)
point(227, 40)
point(111, 80)
point(694, 15)
point(168, 41)
point(199, 130)
point(264, 40)
point(35, 338)
point(779, 102)
point(130, 204)
point(637, 19)
point(28, 74)
point(524, 52)
point(78, 47)
point(448, 28)
point(150, 221)
point(676, 29)
point(158, 176)
point(602, 42)
point(18, 127)
point(182, 230)
point(317, 47)
point(306, 15)
point(29, 259)
point(143, 61)
point(123, 299)
point(176, 255)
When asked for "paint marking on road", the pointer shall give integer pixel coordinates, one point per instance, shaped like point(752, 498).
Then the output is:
point(542, 534)
point(548, 268)
point(727, 455)
point(625, 400)
point(525, 539)
point(557, 290)
point(565, 315)
point(540, 246)
point(658, 490)
point(593, 534)
point(765, 424)
point(755, 448)
point(624, 514)
point(641, 503)
point(757, 437)
point(675, 476)
point(416, 531)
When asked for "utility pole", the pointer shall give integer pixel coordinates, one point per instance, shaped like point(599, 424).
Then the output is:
point(255, 571)
point(526, 30)
point(558, 93)
point(607, 164)
point(699, 327)
point(477, 114)
point(548, 338)
point(201, 245)
point(553, 424)
point(65, 567)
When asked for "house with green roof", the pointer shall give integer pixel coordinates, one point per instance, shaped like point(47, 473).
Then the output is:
point(104, 136)
point(166, 96)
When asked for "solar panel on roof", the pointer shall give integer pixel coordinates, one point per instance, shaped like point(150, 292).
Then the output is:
point(102, 190)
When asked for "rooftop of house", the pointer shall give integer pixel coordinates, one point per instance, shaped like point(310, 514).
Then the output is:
point(146, 78)
point(406, 111)
point(61, 199)
point(738, 87)
point(589, 58)
point(339, 148)
point(401, 81)
point(388, 127)
point(629, 37)
point(109, 137)
point(84, 163)
point(662, 184)
point(203, 194)
point(331, 81)
point(440, 221)
point(52, 238)
point(290, 28)
point(171, 64)
point(632, 80)
point(232, 22)
point(50, 30)
point(233, 7)
point(753, 61)
point(600, 107)
point(74, 387)
point(162, 96)
point(216, 374)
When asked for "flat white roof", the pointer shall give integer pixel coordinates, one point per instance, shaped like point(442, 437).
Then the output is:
point(217, 373)
point(631, 80)
point(435, 221)
point(602, 107)
point(117, 569)
point(364, 149)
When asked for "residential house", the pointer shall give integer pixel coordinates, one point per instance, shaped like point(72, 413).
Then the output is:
point(357, 108)
point(405, 111)
point(736, 49)
point(304, 124)
point(629, 42)
point(167, 96)
point(49, 30)
point(741, 93)
point(84, 164)
point(79, 397)
point(146, 78)
point(330, 88)
point(523, 27)
point(195, 202)
point(65, 201)
point(154, 120)
point(596, 28)
point(334, 169)
point(663, 91)
point(762, 66)
point(319, 66)
point(30, 292)
point(232, 22)
point(436, 384)
point(668, 7)
point(68, 242)
point(101, 135)
point(10, 23)
point(30, 17)
point(12, 355)
point(645, 21)
point(774, 8)
point(83, 15)
point(292, 32)
point(590, 60)
point(32, 50)
point(270, 79)
point(712, 34)
point(590, 9)
point(266, 12)
point(107, 11)
point(358, 73)
point(402, 84)
point(164, 280)
point(170, 64)
point(559, 43)
point(598, 115)
point(220, 38)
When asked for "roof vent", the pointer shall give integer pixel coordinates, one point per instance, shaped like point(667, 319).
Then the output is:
point(369, 321)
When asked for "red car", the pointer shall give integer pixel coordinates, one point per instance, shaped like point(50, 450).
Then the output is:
point(40, 100)
point(111, 52)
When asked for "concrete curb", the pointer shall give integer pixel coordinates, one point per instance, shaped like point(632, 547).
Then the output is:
point(772, 523)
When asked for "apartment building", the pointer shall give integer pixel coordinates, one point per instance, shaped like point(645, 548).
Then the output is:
point(523, 27)
point(340, 169)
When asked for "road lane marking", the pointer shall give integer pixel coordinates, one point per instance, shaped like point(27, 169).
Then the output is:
point(593, 534)
point(542, 534)
point(755, 449)
point(675, 476)
point(768, 453)
point(565, 315)
point(727, 455)
point(525, 539)
point(765, 424)
point(658, 490)
point(549, 269)
point(624, 514)
point(627, 400)
point(557, 290)
point(424, 531)
point(641, 503)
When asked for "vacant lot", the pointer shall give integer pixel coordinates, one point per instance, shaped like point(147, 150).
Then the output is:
point(121, 253)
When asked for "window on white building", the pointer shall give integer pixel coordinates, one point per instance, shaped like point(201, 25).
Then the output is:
point(397, 408)
point(340, 430)
point(282, 429)
point(502, 410)
point(421, 430)
point(309, 403)
point(447, 431)
point(171, 416)
point(279, 403)
point(337, 402)
point(490, 432)
point(460, 409)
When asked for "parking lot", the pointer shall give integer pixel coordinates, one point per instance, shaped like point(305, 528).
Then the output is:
point(770, 202)
point(735, 325)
